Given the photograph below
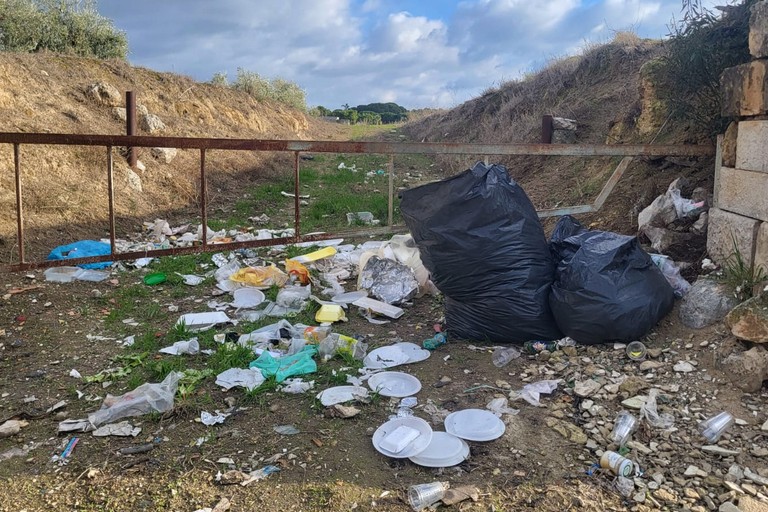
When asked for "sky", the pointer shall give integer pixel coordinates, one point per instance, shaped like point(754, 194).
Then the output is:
point(417, 53)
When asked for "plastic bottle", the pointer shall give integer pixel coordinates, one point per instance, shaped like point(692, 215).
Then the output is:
point(503, 355)
point(618, 464)
point(317, 334)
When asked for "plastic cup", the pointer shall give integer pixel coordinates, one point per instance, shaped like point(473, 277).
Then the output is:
point(714, 427)
point(623, 427)
point(636, 351)
point(421, 496)
point(503, 355)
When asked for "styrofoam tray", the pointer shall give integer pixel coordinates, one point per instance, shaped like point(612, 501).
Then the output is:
point(474, 425)
point(397, 384)
point(417, 446)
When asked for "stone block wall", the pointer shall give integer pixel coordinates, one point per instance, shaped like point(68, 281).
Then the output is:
point(740, 216)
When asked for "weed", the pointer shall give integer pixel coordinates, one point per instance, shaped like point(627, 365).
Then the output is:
point(741, 277)
point(230, 355)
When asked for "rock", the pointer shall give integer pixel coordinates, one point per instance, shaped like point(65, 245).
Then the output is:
point(586, 388)
point(459, 494)
point(152, 123)
point(718, 450)
point(690, 493)
point(758, 30)
point(759, 451)
point(655, 352)
point(706, 303)
point(12, 427)
point(639, 497)
point(728, 507)
point(749, 320)
point(684, 367)
point(633, 385)
point(693, 471)
point(754, 477)
point(567, 430)
point(636, 402)
point(640, 447)
point(748, 369)
point(732, 486)
point(664, 495)
point(765, 426)
point(749, 488)
point(165, 155)
point(750, 504)
point(650, 365)
point(132, 179)
point(119, 113)
point(104, 94)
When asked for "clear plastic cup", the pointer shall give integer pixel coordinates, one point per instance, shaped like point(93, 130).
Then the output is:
point(623, 427)
point(503, 355)
point(636, 351)
point(714, 427)
point(421, 496)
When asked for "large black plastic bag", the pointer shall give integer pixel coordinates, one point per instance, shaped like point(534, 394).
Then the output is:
point(607, 287)
point(479, 236)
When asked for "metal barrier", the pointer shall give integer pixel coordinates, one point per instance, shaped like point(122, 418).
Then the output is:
point(297, 147)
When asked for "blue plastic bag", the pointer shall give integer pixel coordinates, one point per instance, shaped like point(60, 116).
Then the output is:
point(82, 249)
point(300, 363)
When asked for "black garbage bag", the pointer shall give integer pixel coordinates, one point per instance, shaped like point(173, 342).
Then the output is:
point(480, 237)
point(607, 287)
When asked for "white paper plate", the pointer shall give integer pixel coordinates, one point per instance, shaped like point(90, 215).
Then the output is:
point(443, 451)
point(415, 352)
point(341, 394)
point(349, 297)
point(417, 446)
point(248, 297)
point(397, 384)
point(474, 425)
point(385, 357)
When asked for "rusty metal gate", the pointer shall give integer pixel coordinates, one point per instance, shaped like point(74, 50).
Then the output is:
point(297, 147)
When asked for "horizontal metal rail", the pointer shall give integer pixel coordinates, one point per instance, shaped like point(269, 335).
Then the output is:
point(297, 147)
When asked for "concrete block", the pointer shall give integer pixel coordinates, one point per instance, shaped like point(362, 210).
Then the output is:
point(761, 247)
point(724, 229)
point(729, 144)
point(751, 143)
point(743, 192)
point(758, 30)
point(744, 89)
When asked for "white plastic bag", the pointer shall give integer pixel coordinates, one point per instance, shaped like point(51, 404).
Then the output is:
point(651, 414)
point(149, 397)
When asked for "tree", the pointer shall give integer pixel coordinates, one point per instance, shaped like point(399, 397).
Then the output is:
point(62, 26)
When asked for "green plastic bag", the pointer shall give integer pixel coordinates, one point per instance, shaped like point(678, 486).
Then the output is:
point(300, 363)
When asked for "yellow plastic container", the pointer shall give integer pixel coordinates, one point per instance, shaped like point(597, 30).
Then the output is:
point(330, 313)
point(325, 252)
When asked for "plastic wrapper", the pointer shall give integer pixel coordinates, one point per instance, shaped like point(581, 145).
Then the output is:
point(388, 280)
point(297, 270)
point(533, 391)
point(149, 397)
point(607, 288)
point(293, 297)
point(650, 413)
point(671, 274)
point(335, 344)
point(260, 277)
point(481, 240)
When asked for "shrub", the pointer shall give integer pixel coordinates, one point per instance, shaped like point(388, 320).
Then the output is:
point(279, 90)
point(700, 48)
point(62, 26)
point(219, 80)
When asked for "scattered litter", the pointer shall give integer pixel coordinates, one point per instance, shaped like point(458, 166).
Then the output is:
point(62, 459)
point(197, 322)
point(382, 308)
point(247, 297)
point(249, 378)
point(191, 279)
point(388, 280)
point(330, 313)
point(649, 412)
point(128, 341)
point(325, 252)
point(341, 394)
point(145, 398)
point(14, 452)
point(337, 344)
point(289, 194)
point(238, 477)
point(260, 277)
point(435, 341)
point(296, 386)
point(672, 274)
point(364, 218)
point(209, 419)
point(82, 249)
point(75, 374)
point(122, 429)
point(286, 430)
point(287, 366)
point(342, 411)
point(499, 406)
point(133, 450)
point(55, 407)
point(532, 392)
point(75, 426)
point(190, 347)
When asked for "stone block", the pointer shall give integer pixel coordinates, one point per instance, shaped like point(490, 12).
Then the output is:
point(761, 247)
point(751, 143)
point(758, 30)
point(743, 192)
point(729, 145)
point(744, 90)
point(725, 228)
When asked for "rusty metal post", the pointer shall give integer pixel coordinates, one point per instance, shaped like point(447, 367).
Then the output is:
point(391, 202)
point(546, 129)
point(203, 198)
point(296, 200)
point(130, 124)
point(111, 196)
point(19, 209)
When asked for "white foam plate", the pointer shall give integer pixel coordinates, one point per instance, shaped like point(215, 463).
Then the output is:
point(397, 384)
point(349, 297)
point(415, 352)
point(417, 446)
point(247, 297)
point(474, 425)
point(443, 451)
point(385, 357)
point(341, 394)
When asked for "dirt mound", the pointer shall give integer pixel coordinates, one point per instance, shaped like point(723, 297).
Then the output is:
point(64, 187)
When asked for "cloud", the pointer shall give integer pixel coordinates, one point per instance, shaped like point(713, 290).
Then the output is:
point(362, 51)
